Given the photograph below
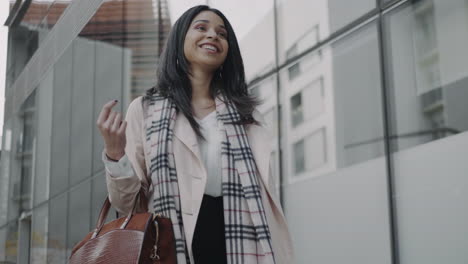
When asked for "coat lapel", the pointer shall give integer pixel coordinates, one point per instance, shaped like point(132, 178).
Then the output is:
point(184, 132)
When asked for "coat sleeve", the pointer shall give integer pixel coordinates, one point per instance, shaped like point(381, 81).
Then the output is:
point(123, 189)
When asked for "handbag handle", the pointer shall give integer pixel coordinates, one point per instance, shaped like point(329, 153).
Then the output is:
point(105, 210)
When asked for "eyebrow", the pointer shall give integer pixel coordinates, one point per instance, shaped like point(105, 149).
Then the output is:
point(207, 21)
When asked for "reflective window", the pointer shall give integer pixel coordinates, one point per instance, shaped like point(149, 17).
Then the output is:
point(299, 157)
point(25, 38)
point(99, 196)
point(39, 235)
point(9, 239)
point(3, 233)
point(79, 213)
point(302, 24)
point(296, 109)
point(42, 159)
point(22, 43)
point(60, 146)
point(81, 112)
point(57, 235)
point(334, 106)
point(428, 85)
point(5, 172)
point(25, 152)
point(428, 74)
point(310, 152)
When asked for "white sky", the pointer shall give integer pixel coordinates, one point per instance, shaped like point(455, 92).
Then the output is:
point(3, 46)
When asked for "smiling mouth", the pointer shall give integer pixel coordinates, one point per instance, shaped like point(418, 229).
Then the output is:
point(209, 48)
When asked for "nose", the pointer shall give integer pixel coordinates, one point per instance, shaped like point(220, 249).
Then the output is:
point(211, 33)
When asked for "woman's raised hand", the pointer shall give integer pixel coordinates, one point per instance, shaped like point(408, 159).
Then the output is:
point(112, 130)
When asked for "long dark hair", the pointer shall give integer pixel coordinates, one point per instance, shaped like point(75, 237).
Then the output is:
point(173, 72)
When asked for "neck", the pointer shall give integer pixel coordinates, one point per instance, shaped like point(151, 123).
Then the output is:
point(200, 81)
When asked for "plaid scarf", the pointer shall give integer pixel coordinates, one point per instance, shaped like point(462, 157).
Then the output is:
point(248, 238)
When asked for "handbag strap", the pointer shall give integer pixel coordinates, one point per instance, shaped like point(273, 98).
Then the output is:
point(105, 210)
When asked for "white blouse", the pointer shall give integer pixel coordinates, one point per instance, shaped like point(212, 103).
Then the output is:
point(210, 150)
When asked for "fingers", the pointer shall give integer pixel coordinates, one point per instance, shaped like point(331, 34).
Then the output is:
point(110, 121)
point(116, 124)
point(106, 109)
point(123, 127)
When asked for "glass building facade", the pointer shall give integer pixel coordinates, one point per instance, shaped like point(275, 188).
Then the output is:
point(366, 100)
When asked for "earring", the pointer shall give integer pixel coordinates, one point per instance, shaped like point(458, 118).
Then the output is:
point(177, 62)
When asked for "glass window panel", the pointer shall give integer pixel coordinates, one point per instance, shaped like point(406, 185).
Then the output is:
point(296, 109)
point(79, 213)
point(99, 196)
point(3, 234)
point(428, 75)
point(5, 172)
point(302, 24)
point(39, 234)
point(118, 45)
point(136, 32)
point(315, 150)
point(10, 243)
point(26, 149)
point(294, 71)
point(22, 43)
point(60, 143)
point(358, 97)
point(428, 85)
point(56, 244)
point(13, 131)
point(310, 152)
point(299, 157)
point(340, 114)
point(24, 239)
point(82, 123)
point(315, 99)
point(42, 160)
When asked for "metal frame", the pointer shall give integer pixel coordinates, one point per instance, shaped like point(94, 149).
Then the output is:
point(392, 210)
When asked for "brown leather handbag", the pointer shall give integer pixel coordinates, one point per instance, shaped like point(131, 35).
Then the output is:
point(137, 238)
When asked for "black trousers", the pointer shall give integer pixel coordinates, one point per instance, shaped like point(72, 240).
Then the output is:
point(209, 244)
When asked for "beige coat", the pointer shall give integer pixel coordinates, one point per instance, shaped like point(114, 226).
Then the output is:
point(192, 176)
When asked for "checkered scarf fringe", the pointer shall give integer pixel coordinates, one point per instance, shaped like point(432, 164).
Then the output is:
point(248, 239)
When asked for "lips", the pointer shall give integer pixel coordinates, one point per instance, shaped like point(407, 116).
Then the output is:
point(212, 48)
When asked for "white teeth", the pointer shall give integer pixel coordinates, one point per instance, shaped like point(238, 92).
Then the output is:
point(210, 47)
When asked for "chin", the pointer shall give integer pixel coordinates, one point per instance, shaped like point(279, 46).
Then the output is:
point(210, 65)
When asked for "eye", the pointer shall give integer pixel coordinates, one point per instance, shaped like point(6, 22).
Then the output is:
point(201, 27)
point(222, 34)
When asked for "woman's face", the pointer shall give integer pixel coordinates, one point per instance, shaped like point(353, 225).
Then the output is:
point(206, 43)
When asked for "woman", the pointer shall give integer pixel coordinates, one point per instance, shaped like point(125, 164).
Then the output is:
point(195, 146)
